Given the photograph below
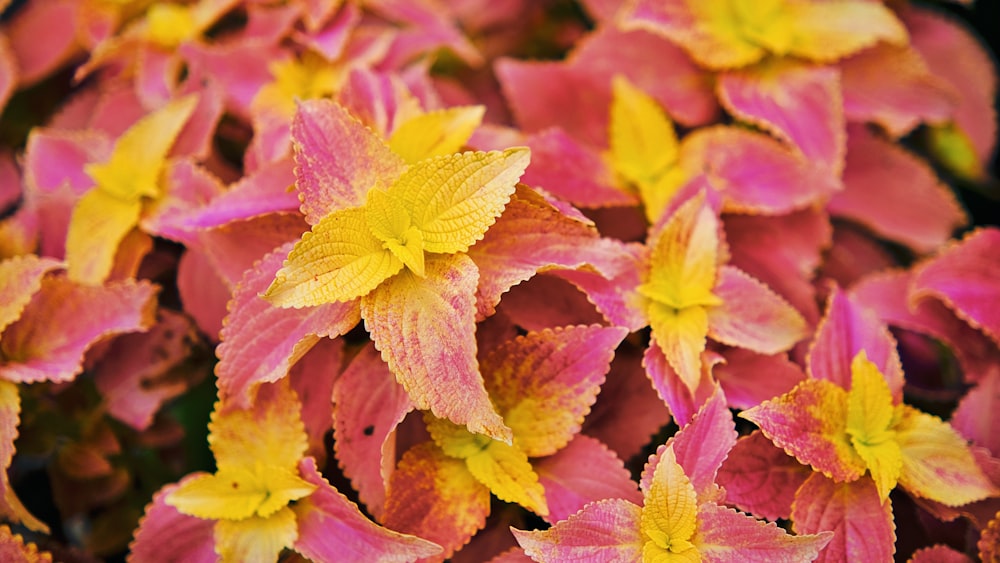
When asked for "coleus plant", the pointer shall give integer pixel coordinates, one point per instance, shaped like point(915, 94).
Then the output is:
point(464, 304)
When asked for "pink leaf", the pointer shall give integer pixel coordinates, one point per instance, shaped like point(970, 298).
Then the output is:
point(530, 235)
point(627, 412)
point(425, 329)
point(749, 378)
point(672, 389)
point(313, 378)
point(752, 316)
point(260, 342)
point(853, 254)
point(966, 277)
point(846, 329)
point(862, 525)
point(606, 531)
point(546, 301)
point(897, 100)
point(584, 471)
point(887, 294)
point(64, 320)
point(142, 371)
point(188, 186)
point(731, 537)
point(755, 172)
point(267, 190)
point(954, 54)
point(612, 286)
point(235, 247)
point(331, 528)
point(974, 417)
point(783, 252)
point(938, 554)
point(895, 194)
point(761, 478)
point(572, 171)
point(369, 404)
point(435, 497)
point(700, 446)
point(166, 534)
point(42, 37)
point(797, 103)
point(55, 157)
point(337, 159)
point(203, 292)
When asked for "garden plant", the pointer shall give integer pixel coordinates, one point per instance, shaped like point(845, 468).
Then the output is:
point(498, 280)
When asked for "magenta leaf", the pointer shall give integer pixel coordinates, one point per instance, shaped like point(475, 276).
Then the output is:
point(606, 530)
point(761, 478)
point(749, 378)
point(166, 534)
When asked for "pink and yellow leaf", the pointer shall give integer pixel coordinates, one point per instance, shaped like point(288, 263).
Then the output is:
point(166, 533)
point(330, 527)
point(433, 496)
point(727, 535)
point(809, 423)
point(261, 342)
point(256, 539)
point(682, 402)
point(702, 445)
point(749, 378)
point(583, 472)
point(606, 530)
point(435, 133)
point(20, 279)
point(505, 469)
point(862, 524)
point(425, 329)
point(14, 549)
point(544, 383)
point(99, 224)
point(752, 316)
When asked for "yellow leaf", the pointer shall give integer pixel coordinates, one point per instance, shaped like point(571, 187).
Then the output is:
point(670, 513)
point(827, 31)
point(657, 194)
point(684, 260)
point(454, 199)
point(390, 222)
point(681, 333)
point(765, 23)
point(338, 260)
point(233, 495)
point(505, 469)
point(256, 539)
point(99, 223)
point(138, 157)
point(871, 417)
point(272, 431)
point(305, 78)
point(643, 142)
point(453, 439)
point(435, 133)
point(169, 25)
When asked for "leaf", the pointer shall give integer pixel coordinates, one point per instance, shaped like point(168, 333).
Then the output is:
point(64, 320)
point(760, 478)
point(937, 463)
point(682, 401)
point(337, 159)
point(239, 493)
point(10, 417)
point(752, 316)
point(338, 260)
point(544, 383)
point(749, 378)
point(261, 342)
point(435, 133)
point(369, 404)
point(670, 509)
point(12, 546)
point(642, 138)
point(681, 335)
point(963, 276)
point(505, 469)
point(256, 539)
point(973, 418)
point(895, 194)
point(584, 471)
point(331, 528)
point(138, 157)
point(606, 530)
point(166, 533)
point(703, 444)
point(826, 32)
point(847, 329)
point(434, 497)
point(809, 423)
point(272, 431)
point(862, 524)
point(452, 200)
point(798, 103)
point(20, 278)
point(98, 226)
point(425, 329)
point(870, 417)
point(727, 535)
point(940, 554)
point(572, 171)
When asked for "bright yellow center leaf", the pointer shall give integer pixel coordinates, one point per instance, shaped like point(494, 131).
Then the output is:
point(240, 492)
point(170, 25)
point(435, 133)
point(305, 78)
point(503, 468)
point(669, 517)
point(871, 422)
